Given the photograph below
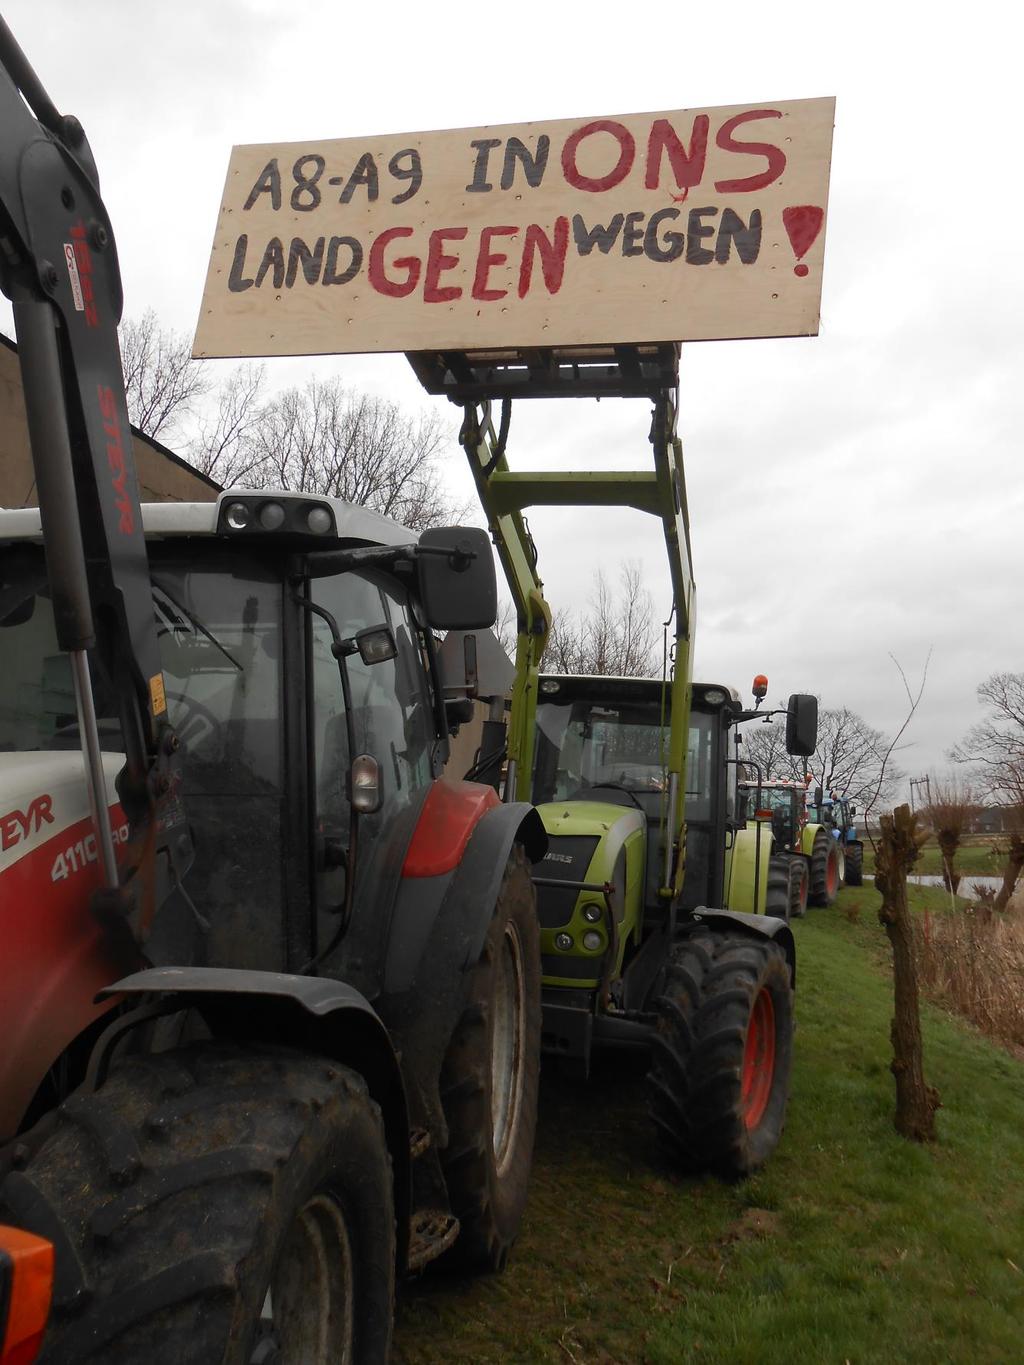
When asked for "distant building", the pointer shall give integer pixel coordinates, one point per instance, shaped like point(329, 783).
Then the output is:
point(992, 820)
point(163, 476)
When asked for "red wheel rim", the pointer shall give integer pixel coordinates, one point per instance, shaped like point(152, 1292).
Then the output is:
point(758, 1060)
point(832, 874)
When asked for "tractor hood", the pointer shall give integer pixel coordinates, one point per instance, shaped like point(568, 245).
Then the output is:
point(585, 839)
point(48, 870)
point(589, 886)
point(43, 798)
point(564, 818)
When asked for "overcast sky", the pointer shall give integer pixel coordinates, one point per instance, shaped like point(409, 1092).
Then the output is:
point(853, 496)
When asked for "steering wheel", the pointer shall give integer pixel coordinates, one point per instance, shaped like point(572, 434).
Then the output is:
point(615, 787)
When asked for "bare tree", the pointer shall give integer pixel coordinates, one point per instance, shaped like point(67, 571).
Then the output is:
point(505, 625)
point(994, 748)
point(764, 745)
point(224, 448)
point(318, 438)
point(993, 753)
point(322, 438)
point(162, 381)
point(616, 636)
point(849, 760)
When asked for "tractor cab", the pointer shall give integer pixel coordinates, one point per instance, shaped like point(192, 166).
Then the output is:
point(783, 803)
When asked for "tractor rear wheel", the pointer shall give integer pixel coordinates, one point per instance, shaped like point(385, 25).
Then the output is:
point(854, 864)
point(490, 1077)
point(220, 1204)
point(799, 886)
point(722, 1052)
point(777, 898)
point(825, 869)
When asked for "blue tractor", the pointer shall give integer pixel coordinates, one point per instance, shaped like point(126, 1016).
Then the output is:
point(837, 814)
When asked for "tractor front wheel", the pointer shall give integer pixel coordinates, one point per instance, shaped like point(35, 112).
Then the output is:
point(825, 869)
point(220, 1204)
point(777, 898)
point(490, 1077)
point(722, 1052)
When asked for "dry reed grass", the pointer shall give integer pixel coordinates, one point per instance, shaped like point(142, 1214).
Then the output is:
point(972, 961)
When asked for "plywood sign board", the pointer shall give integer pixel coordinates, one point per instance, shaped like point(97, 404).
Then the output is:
point(692, 225)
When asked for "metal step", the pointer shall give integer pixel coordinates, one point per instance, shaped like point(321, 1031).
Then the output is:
point(431, 1233)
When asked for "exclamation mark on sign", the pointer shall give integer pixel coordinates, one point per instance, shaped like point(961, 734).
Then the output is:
point(802, 223)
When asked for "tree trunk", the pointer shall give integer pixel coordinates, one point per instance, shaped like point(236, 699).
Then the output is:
point(1014, 863)
point(916, 1101)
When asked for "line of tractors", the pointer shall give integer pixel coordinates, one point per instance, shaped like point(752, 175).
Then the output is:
point(275, 991)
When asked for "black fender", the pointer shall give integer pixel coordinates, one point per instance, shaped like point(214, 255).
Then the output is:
point(423, 998)
point(756, 926)
point(311, 1014)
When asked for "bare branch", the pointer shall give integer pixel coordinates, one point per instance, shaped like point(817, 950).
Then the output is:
point(162, 381)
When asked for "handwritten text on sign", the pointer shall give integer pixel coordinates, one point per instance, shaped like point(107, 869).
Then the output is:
point(691, 225)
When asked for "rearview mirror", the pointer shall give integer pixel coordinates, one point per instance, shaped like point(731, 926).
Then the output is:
point(801, 724)
point(457, 589)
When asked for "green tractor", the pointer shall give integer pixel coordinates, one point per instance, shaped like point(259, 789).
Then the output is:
point(623, 963)
point(798, 840)
point(649, 898)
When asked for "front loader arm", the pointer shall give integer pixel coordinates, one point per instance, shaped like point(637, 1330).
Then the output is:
point(661, 492)
point(58, 265)
point(518, 555)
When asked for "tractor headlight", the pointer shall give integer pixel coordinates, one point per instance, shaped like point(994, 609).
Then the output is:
point(563, 942)
point(237, 516)
point(319, 520)
point(271, 516)
point(592, 940)
point(592, 913)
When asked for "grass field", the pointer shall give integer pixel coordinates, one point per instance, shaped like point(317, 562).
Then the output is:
point(980, 855)
point(852, 1245)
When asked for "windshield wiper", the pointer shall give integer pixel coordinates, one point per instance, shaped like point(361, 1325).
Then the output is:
point(197, 625)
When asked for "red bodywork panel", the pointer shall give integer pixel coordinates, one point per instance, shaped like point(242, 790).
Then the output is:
point(55, 955)
point(450, 814)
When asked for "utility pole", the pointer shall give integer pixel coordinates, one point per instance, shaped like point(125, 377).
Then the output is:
point(925, 782)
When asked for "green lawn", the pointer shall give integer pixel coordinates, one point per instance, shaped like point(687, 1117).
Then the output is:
point(980, 855)
point(852, 1245)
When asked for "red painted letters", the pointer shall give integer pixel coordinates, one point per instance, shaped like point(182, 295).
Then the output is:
point(17, 825)
point(116, 460)
point(775, 156)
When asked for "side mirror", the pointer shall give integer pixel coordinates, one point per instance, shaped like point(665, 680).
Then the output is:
point(457, 588)
point(819, 796)
point(852, 809)
point(801, 724)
